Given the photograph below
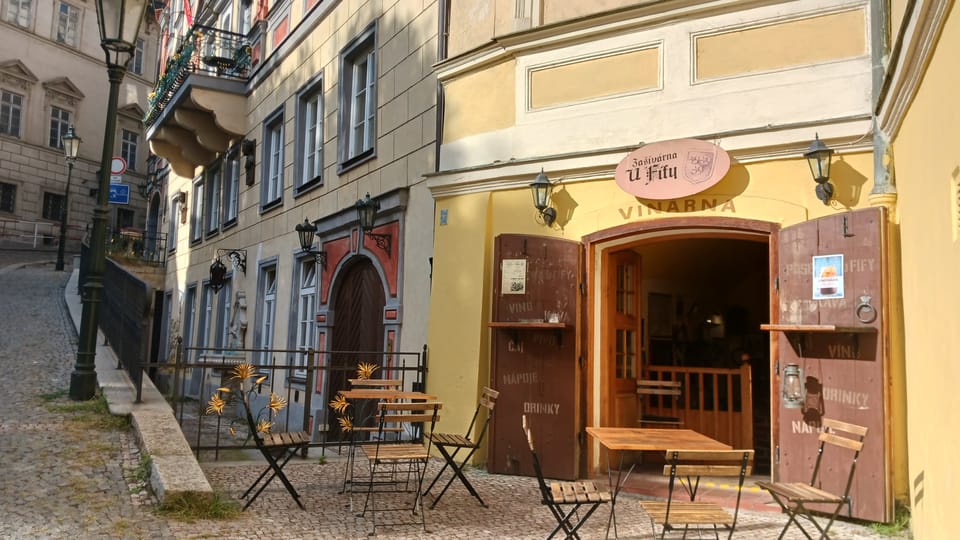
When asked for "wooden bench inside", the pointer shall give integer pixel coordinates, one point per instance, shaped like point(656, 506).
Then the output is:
point(663, 390)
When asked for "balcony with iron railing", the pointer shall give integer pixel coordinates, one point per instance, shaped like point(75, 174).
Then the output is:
point(197, 109)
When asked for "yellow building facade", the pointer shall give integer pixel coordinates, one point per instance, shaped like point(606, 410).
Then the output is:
point(713, 281)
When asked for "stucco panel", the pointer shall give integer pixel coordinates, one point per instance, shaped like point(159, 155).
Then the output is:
point(480, 102)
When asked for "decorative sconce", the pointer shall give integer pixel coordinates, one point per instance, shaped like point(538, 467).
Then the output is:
point(367, 209)
point(306, 231)
point(541, 188)
point(792, 387)
point(149, 184)
point(218, 271)
point(818, 157)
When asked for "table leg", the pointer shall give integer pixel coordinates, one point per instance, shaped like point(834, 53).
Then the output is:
point(615, 488)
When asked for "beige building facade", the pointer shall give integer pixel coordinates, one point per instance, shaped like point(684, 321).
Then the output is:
point(52, 76)
point(270, 117)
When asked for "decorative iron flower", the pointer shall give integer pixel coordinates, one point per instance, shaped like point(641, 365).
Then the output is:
point(216, 404)
point(277, 403)
point(345, 423)
point(365, 371)
point(242, 372)
point(339, 404)
point(264, 426)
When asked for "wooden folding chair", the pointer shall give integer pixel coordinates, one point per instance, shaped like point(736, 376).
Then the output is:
point(688, 466)
point(277, 449)
point(444, 442)
point(663, 391)
point(795, 497)
point(399, 465)
point(564, 499)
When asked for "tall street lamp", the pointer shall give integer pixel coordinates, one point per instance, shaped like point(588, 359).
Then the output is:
point(119, 22)
point(71, 147)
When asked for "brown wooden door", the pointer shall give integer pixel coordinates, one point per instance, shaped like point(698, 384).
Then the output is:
point(621, 334)
point(829, 270)
point(358, 328)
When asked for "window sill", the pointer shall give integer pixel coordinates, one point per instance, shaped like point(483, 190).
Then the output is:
point(356, 161)
point(308, 186)
point(276, 203)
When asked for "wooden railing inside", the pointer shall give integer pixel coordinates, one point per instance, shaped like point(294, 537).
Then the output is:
point(715, 401)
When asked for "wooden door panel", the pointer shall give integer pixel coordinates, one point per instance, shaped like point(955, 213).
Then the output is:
point(844, 372)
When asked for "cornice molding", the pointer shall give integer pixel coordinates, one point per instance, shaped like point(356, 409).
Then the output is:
point(912, 53)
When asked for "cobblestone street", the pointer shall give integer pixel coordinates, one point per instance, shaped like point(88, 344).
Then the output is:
point(66, 473)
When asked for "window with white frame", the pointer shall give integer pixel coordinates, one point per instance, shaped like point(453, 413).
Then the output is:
point(358, 99)
point(68, 24)
point(189, 317)
point(213, 187)
point(136, 65)
point(206, 318)
point(173, 225)
point(221, 336)
point(19, 12)
point(306, 310)
point(246, 17)
point(225, 21)
point(11, 111)
point(267, 309)
point(8, 197)
point(231, 186)
point(128, 148)
point(310, 136)
point(59, 122)
point(196, 216)
point(271, 189)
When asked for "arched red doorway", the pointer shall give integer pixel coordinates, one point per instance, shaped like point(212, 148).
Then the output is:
point(356, 336)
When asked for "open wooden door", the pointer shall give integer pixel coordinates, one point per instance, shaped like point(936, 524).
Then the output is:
point(829, 320)
point(621, 308)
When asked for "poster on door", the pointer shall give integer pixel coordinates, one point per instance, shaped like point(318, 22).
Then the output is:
point(827, 277)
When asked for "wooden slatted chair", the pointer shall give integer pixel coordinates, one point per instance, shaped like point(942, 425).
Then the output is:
point(564, 499)
point(393, 384)
point(277, 449)
point(398, 464)
point(444, 442)
point(663, 390)
point(686, 467)
point(795, 498)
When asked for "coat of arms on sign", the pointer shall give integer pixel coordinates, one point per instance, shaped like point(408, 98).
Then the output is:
point(698, 166)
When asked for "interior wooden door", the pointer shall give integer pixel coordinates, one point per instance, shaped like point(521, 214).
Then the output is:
point(621, 309)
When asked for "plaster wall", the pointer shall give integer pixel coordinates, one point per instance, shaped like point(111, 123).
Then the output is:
point(927, 169)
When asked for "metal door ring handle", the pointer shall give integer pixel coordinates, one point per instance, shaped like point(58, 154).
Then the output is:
point(866, 313)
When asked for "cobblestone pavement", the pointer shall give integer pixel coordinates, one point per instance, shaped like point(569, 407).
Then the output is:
point(63, 477)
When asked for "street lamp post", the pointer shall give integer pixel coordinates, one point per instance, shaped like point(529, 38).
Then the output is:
point(119, 22)
point(71, 147)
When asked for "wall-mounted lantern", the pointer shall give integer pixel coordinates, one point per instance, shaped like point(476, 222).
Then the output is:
point(542, 188)
point(218, 270)
point(792, 387)
point(818, 157)
point(305, 232)
point(367, 209)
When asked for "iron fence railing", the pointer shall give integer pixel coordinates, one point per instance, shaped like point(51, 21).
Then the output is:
point(130, 243)
point(308, 380)
point(206, 50)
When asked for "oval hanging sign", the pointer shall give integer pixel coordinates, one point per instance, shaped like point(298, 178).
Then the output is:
point(672, 169)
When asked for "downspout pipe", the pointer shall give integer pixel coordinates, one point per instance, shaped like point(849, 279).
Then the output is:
point(884, 180)
point(443, 33)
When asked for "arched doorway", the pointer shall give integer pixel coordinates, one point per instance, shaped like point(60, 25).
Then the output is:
point(685, 301)
point(357, 333)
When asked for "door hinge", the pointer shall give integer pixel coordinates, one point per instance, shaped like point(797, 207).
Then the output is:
point(776, 367)
point(583, 289)
point(580, 361)
point(777, 455)
point(776, 283)
point(582, 438)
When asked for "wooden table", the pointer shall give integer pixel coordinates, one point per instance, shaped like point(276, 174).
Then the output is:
point(625, 439)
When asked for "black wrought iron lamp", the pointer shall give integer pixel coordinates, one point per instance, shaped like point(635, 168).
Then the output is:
point(818, 157)
point(71, 148)
point(367, 209)
point(306, 232)
point(542, 188)
point(119, 24)
point(218, 270)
